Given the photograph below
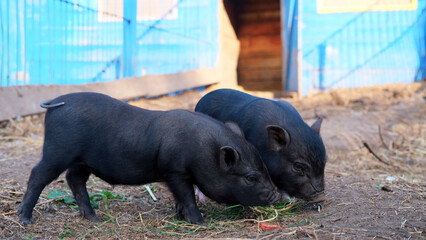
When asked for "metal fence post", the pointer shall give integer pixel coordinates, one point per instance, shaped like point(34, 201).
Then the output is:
point(285, 7)
point(291, 45)
point(129, 37)
point(321, 65)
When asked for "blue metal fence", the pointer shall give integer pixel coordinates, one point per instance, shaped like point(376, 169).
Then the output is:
point(77, 42)
point(84, 41)
point(191, 41)
point(354, 49)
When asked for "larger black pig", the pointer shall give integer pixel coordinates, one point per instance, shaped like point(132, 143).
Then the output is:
point(293, 152)
point(92, 133)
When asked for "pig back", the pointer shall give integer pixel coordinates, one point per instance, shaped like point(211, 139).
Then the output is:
point(252, 114)
point(94, 115)
point(223, 104)
point(188, 139)
point(193, 140)
point(100, 131)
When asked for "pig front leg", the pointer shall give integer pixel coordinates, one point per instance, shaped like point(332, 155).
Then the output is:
point(186, 207)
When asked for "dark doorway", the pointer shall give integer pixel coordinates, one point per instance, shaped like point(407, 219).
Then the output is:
point(258, 27)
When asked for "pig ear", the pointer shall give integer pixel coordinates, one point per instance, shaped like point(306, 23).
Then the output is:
point(278, 137)
point(235, 128)
point(317, 125)
point(228, 157)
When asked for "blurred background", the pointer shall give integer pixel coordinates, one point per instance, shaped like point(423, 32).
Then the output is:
point(287, 46)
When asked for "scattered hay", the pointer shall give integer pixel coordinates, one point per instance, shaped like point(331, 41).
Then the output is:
point(400, 142)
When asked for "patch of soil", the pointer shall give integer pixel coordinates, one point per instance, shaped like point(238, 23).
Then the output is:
point(380, 196)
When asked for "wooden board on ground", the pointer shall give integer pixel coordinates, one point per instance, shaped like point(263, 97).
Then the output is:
point(25, 100)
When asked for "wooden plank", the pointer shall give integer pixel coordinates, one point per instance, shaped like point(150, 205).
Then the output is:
point(267, 81)
point(263, 42)
point(260, 62)
point(259, 74)
point(260, 46)
point(260, 28)
point(242, 2)
point(25, 100)
point(244, 18)
point(259, 6)
point(260, 53)
point(264, 85)
point(263, 79)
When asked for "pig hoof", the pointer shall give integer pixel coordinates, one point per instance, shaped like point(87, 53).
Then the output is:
point(27, 221)
point(92, 218)
point(199, 220)
point(196, 220)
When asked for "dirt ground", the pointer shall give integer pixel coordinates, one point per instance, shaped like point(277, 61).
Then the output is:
point(370, 194)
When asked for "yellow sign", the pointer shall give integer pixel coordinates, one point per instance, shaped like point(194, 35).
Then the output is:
point(339, 6)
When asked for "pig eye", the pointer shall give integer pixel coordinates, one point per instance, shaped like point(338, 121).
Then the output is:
point(251, 178)
point(299, 168)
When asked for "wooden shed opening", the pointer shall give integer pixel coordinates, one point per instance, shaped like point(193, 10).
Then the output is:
point(257, 25)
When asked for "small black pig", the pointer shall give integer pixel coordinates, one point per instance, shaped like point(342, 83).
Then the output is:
point(92, 133)
point(292, 151)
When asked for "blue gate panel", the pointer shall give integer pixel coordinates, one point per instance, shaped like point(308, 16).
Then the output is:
point(353, 49)
point(77, 42)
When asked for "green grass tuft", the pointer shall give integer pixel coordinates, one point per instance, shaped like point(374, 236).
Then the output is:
point(104, 195)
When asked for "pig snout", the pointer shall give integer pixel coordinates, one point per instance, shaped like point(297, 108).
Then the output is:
point(278, 196)
point(284, 196)
point(318, 190)
point(318, 185)
point(318, 195)
point(313, 193)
